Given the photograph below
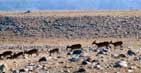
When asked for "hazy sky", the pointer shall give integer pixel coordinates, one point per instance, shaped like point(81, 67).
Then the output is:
point(68, 4)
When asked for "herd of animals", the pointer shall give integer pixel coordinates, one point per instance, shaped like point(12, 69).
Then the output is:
point(13, 55)
point(73, 54)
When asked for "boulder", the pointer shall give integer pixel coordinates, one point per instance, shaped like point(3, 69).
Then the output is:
point(43, 59)
point(93, 49)
point(131, 52)
point(130, 71)
point(121, 64)
point(85, 62)
point(23, 70)
point(2, 68)
point(80, 70)
point(138, 58)
point(77, 52)
point(121, 56)
point(74, 59)
point(14, 71)
point(118, 56)
point(98, 67)
point(114, 55)
point(101, 52)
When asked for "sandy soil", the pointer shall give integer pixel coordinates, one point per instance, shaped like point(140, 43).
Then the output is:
point(74, 13)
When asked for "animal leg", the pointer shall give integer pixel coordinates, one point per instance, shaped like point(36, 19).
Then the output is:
point(49, 54)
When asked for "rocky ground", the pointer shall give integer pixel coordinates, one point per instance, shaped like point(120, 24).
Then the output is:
point(71, 27)
point(46, 32)
point(117, 60)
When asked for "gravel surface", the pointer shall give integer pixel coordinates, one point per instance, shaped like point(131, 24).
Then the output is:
point(71, 27)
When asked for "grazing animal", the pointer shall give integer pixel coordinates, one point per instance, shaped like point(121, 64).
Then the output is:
point(0, 56)
point(53, 51)
point(5, 54)
point(75, 46)
point(16, 55)
point(101, 44)
point(32, 51)
point(20, 53)
point(118, 43)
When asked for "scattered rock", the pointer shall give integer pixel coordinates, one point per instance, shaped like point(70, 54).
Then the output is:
point(131, 52)
point(66, 70)
point(129, 70)
point(138, 58)
point(121, 56)
point(101, 52)
point(74, 59)
point(117, 56)
point(98, 67)
point(93, 49)
point(2, 68)
point(80, 70)
point(22, 70)
point(121, 64)
point(15, 71)
point(77, 52)
point(114, 55)
point(43, 59)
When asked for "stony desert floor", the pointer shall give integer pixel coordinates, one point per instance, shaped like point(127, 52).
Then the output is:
point(22, 31)
point(60, 63)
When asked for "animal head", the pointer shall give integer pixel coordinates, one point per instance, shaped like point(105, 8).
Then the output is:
point(111, 42)
point(24, 51)
point(67, 47)
point(94, 42)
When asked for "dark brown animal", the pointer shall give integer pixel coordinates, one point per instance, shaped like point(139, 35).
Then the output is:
point(12, 56)
point(73, 47)
point(118, 43)
point(16, 55)
point(0, 56)
point(56, 50)
point(6, 54)
point(32, 51)
point(102, 44)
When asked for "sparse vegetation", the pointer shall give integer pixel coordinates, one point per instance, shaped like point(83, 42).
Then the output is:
point(50, 35)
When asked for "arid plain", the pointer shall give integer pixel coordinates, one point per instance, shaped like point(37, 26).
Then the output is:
point(45, 31)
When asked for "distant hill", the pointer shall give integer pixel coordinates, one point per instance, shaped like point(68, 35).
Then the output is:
point(71, 27)
point(68, 4)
